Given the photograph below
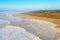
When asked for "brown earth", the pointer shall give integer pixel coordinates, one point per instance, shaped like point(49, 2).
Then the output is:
point(56, 21)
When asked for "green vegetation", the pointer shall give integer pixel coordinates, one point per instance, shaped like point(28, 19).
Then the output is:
point(46, 13)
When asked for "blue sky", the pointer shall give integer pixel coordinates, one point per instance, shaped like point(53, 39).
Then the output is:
point(29, 4)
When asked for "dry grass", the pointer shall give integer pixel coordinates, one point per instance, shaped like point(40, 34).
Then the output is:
point(48, 15)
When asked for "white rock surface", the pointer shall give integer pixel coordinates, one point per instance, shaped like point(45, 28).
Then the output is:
point(40, 28)
point(14, 33)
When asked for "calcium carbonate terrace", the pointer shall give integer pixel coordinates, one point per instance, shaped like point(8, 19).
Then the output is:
point(40, 28)
point(9, 32)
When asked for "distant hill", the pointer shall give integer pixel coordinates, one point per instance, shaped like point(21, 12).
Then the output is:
point(46, 13)
point(2, 10)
